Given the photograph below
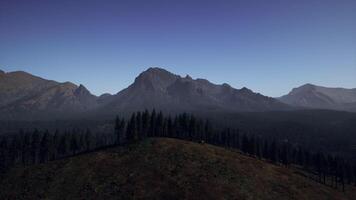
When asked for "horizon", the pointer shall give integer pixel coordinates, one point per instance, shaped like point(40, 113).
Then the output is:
point(181, 75)
point(268, 47)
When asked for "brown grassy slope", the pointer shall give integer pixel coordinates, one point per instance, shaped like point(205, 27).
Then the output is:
point(162, 169)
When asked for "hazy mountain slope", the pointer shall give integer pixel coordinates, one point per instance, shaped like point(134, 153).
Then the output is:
point(162, 169)
point(16, 85)
point(160, 89)
point(24, 95)
point(312, 96)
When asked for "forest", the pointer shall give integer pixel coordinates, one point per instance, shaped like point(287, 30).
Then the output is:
point(38, 146)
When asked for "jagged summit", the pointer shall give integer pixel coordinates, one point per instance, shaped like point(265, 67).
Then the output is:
point(23, 96)
point(226, 85)
point(188, 77)
point(245, 89)
point(163, 90)
point(82, 90)
point(155, 79)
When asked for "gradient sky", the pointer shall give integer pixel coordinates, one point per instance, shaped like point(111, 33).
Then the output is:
point(267, 46)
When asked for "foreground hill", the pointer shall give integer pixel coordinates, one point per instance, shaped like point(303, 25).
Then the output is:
point(162, 169)
point(313, 96)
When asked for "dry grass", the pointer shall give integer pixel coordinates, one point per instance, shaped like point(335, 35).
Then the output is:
point(162, 169)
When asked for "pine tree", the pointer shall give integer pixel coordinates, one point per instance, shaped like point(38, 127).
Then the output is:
point(252, 146)
point(132, 134)
point(35, 143)
point(266, 153)
point(207, 131)
point(245, 144)
point(74, 146)
point(170, 127)
point(145, 123)
point(89, 143)
point(159, 125)
point(152, 123)
point(45, 147)
point(300, 156)
point(15, 153)
point(273, 152)
point(258, 148)
point(55, 145)
point(26, 149)
point(192, 127)
point(3, 154)
point(117, 130)
point(139, 126)
point(64, 143)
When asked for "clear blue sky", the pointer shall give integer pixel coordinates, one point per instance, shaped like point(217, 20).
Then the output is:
point(267, 46)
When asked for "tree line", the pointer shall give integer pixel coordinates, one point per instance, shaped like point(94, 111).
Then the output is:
point(324, 168)
point(26, 148)
point(33, 147)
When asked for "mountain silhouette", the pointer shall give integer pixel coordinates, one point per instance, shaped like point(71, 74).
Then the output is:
point(160, 89)
point(24, 96)
point(318, 97)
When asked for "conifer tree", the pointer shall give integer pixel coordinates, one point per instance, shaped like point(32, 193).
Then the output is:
point(74, 146)
point(273, 152)
point(145, 123)
point(152, 123)
point(45, 147)
point(35, 143)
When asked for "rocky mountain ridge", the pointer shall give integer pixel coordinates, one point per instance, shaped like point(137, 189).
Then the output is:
point(23, 96)
point(318, 97)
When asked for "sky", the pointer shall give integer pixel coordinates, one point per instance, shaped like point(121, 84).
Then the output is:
point(268, 46)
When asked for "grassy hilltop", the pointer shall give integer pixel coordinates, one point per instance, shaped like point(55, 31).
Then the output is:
point(162, 169)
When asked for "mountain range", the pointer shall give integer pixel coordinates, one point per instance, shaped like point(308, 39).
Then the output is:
point(25, 96)
point(318, 97)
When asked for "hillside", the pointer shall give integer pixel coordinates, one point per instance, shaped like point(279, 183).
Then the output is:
point(163, 169)
point(163, 90)
point(25, 96)
point(316, 97)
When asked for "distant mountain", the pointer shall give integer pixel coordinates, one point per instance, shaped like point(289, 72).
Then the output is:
point(23, 95)
point(313, 96)
point(160, 89)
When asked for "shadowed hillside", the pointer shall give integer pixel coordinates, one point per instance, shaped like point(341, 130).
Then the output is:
point(164, 169)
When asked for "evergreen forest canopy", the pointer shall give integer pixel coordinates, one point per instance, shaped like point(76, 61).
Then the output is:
point(38, 146)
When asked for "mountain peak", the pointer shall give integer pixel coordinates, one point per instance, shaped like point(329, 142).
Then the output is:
point(304, 88)
point(82, 90)
point(308, 85)
point(81, 87)
point(245, 89)
point(320, 97)
point(188, 77)
point(2, 72)
point(155, 78)
point(156, 70)
point(226, 85)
